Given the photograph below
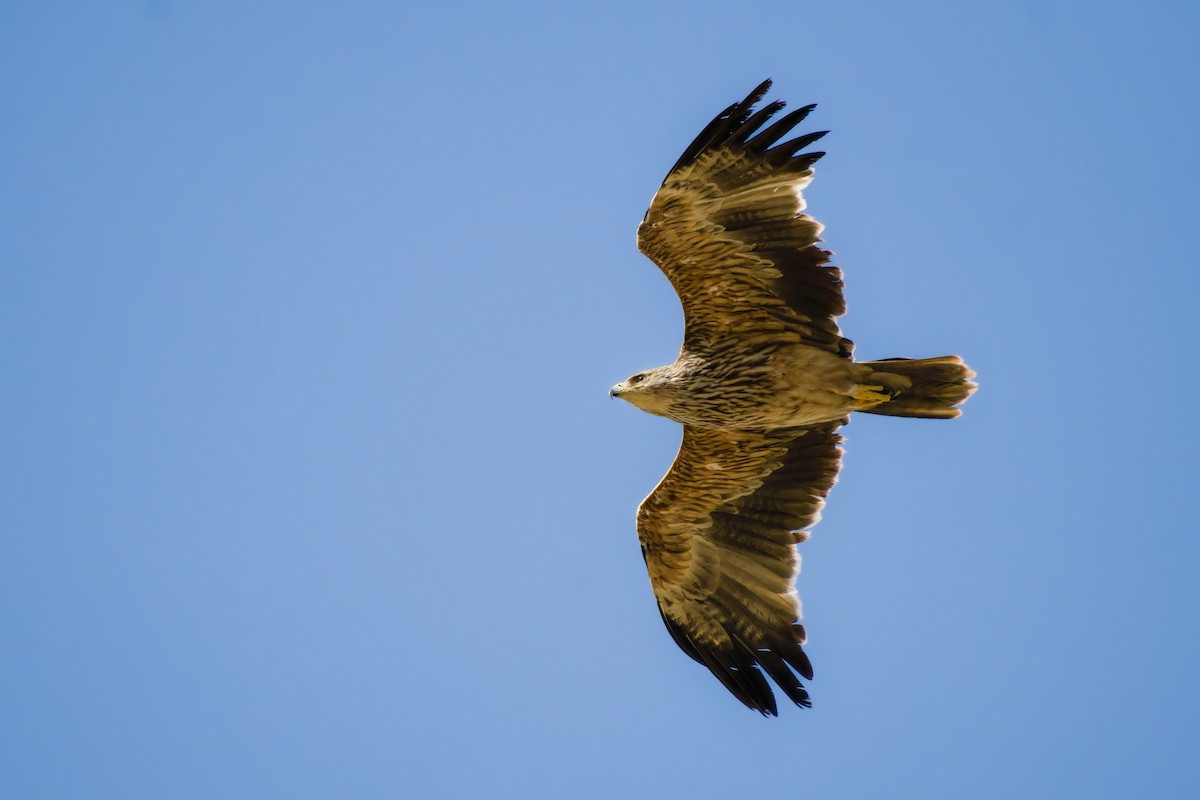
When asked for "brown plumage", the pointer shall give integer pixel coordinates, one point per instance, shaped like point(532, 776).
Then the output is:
point(762, 383)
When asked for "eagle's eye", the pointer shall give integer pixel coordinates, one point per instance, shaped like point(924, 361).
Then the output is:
point(636, 379)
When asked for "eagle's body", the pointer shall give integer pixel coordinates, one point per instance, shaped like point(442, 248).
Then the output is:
point(762, 383)
point(725, 387)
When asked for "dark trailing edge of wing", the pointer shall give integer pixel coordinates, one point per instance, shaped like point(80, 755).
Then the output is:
point(740, 666)
point(736, 124)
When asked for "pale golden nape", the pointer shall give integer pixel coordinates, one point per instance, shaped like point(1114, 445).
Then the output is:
point(762, 384)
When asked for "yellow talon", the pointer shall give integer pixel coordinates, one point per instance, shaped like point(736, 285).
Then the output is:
point(869, 396)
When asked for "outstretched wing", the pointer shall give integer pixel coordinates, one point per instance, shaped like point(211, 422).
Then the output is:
point(726, 229)
point(719, 534)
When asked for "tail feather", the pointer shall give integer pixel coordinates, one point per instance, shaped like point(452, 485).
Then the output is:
point(922, 387)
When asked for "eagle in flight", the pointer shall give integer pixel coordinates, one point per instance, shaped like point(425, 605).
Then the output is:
point(762, 383)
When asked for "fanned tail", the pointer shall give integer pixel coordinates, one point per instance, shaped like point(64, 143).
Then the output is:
point(922, 387)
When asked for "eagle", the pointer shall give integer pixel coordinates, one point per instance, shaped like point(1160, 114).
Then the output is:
point(762, 384)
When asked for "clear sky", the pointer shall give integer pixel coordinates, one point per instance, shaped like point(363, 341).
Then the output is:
point(311, 487)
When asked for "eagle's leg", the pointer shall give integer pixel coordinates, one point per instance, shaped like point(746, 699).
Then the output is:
point(868, 395)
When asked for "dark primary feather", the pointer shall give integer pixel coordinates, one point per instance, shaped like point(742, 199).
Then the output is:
point(780, 127)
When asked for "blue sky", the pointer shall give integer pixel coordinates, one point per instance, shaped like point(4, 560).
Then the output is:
point(311, 486)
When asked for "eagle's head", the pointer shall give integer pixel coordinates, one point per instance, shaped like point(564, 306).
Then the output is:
point(654, 390)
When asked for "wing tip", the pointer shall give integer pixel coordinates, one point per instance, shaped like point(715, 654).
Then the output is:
point(736, 123)
point(743, 669)
point(759, 92)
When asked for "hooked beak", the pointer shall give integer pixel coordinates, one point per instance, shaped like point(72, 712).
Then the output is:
point(616, 390)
